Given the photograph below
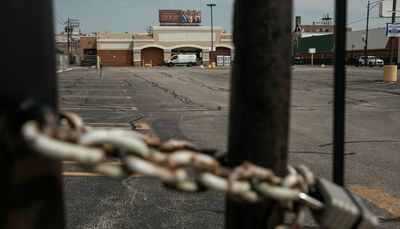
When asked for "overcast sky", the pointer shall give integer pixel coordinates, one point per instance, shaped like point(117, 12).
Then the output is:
point(119, 16)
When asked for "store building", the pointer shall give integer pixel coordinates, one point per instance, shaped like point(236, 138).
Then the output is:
point(164, 41)
point(171, 37)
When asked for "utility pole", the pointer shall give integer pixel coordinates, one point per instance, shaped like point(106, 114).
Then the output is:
point(212, 31)
point(31, 186)
point(260, 99)
point(71, 24)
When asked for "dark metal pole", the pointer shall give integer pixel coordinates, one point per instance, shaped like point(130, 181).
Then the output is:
point(260, 99)
point(391, 38)
point(340, 89)
point(31, 186)
point(366, 37)
point(212, 32)
point(68, 37)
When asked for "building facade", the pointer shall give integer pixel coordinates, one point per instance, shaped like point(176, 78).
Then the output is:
point(87, 47)
point(378, 45)
point(161, 43)
point(61, 41)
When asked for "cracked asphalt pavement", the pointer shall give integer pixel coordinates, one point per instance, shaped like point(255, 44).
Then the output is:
point(193, 104)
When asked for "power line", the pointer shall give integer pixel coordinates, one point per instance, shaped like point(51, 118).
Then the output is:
point(60, 19)
point(363, 19)
point(71, 24)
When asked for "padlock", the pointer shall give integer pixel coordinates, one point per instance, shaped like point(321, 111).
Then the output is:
point(342, 209)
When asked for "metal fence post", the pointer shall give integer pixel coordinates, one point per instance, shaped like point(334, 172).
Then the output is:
point(31, 193)
point(260, 99)
point(339, 92)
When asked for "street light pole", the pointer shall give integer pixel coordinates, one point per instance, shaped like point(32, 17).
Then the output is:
point(391, 39)
point(211, 5)
point(366, 37)
point(68, 37)
point(369, 7)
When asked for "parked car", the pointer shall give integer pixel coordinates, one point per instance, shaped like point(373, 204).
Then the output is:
point(297, 60)
point(371, 61)
point(182, 59)
point(351, 61)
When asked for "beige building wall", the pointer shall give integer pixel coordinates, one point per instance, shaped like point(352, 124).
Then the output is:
point(167, 38)
point(114, 36)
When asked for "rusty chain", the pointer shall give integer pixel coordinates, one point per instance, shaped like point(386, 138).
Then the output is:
point(67, 138)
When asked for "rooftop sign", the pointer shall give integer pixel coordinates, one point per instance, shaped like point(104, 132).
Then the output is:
point(180, 17)
point(392, 30)
point(386, 8)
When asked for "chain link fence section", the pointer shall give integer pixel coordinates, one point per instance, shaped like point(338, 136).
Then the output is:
point(62, 62)
point(178, 164)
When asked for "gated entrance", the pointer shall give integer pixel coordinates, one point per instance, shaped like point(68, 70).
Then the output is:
point(259, 111)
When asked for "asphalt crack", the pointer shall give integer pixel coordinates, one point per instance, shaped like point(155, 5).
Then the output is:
point(217, 89)
point(181, 98)
point(166, 74)
point(319, 153)
point(371, 141)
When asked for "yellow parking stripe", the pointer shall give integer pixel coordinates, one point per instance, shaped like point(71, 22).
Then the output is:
point(142, 126)
point(81, 174)
point(70, 163)
point(379, 198)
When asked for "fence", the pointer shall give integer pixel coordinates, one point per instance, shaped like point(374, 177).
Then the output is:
point(259, 109)
point(62, 62)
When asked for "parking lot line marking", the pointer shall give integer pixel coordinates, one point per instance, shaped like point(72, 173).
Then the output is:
point(62, 90)
point(133, 109)
point(95, 97)
point(379, 198)
point(82, 174)
point(86, 85)
point(111, 128)
point(110, 107)
point(88, 174)
point(142, 126)
point(77, 163)
point(118, 124)
point(70, 163)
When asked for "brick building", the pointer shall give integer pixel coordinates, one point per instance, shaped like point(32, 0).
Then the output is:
point(87, 47)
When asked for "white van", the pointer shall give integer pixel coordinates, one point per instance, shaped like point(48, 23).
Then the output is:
point(182, 59)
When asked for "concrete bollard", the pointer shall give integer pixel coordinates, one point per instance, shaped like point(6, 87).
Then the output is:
point(390, 73)
point(98, 61)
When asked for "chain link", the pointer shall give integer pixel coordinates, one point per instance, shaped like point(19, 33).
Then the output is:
point(68, 138)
